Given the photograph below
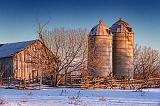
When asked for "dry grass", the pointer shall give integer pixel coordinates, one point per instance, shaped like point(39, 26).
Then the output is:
point(3, 101)
point(104, 99)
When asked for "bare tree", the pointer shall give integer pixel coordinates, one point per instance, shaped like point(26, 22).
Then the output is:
point(146, 62)
point(40, 57)
point(69, 48)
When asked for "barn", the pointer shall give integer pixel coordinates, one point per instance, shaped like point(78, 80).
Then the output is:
point(25, 60)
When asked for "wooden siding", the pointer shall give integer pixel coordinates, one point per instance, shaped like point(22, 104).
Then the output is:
point(31, 62)
point(7, 63)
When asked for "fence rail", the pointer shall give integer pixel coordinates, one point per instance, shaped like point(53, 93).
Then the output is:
point(97, 83)
point(83, 83)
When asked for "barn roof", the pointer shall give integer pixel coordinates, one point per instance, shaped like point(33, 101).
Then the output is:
point(9, 49)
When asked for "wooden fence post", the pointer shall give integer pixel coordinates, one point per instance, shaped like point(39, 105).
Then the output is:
point(1, 80)
point(24, 83)
point(9, 81)
point(40, 82)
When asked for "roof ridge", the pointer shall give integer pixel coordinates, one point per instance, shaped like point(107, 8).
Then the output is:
point(19, 42)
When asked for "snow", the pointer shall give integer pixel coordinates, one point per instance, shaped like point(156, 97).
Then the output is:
point(77, 97)
point(9, 49)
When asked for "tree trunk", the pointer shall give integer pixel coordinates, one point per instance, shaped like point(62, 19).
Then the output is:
point(55, 81)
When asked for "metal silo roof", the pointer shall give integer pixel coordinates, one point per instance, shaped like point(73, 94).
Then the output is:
point(120, 26)
point(100, 29)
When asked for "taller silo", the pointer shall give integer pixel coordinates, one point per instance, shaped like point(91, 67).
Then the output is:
point(123, 45)
point(100, 51)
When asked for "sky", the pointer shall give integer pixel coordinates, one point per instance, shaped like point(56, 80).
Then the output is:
point(19, 18)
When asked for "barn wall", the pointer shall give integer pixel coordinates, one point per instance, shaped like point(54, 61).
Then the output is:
point(31, 62)
point(7, 63)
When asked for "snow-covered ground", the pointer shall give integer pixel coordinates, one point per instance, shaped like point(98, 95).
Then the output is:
point(72, 97)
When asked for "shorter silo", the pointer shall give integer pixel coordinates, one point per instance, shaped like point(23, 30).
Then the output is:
point(123, 45)
point(100, 51)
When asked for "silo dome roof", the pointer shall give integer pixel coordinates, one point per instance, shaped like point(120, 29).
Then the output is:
point(120, 26)
point(100, 29)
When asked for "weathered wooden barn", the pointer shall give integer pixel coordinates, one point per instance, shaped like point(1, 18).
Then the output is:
point(25, 60)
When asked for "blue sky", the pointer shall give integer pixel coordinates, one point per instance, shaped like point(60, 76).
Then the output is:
point(18, 18)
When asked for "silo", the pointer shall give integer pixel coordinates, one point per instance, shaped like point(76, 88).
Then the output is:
point(123, 45)
point(100, 51)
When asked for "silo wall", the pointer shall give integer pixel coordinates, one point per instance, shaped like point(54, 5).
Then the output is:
point(100, 55)
point(123, 45)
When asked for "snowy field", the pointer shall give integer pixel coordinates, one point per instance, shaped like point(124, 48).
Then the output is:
point(76, 97)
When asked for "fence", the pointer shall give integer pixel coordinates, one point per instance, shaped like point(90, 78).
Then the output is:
point(96, 83)
point(83, 83)
point(36, 83)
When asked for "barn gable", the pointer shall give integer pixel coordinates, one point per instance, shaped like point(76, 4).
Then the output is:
point(9, 49)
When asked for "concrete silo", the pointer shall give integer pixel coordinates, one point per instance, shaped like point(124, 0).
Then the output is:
point(123, 45)
point(100, 51)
